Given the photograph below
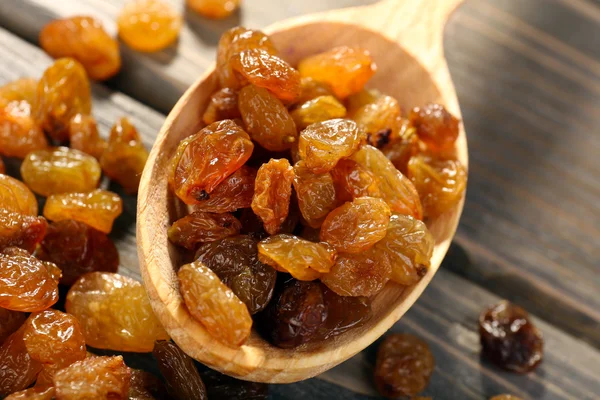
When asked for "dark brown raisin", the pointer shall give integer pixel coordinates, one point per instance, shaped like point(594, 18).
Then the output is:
point(180, 373)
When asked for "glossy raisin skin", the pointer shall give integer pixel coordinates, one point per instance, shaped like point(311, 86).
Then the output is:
point(17, 369)
point(84, 136)
point(223, 387)
point(94, 378)
point(63, 92)
point(223, 105)
point(214, 305)
point(19, 132)
point(316, 110)
point(351, 180)
point(380, 119)
point(266, 118)
point(235, 261)
point(235, 192)
point(343, 313)
point(10, 321)
point(181, 376)
point(272, 193)
point(148, 25)
point(404, 366)
point(216, 9)
point(200, 227)
point(21, 230)
point(77, 249)
point(316, 194)
point(509, 338)
point(206, 159)
point(114, 312)
point(16, 197)
point(23, 89)
point(34, 393)
point(146, 386)
point(84, 39)
point(436, 127)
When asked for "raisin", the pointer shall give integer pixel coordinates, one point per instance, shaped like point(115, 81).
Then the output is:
point(207, 158)
point(24, 231)
point(54, 339)
point(323, 144)
point(295, 315)
point(408, 246)
point(149, 25)
point(19, 132)
point(235, 192)
point(509, 338)
point(26, 283)
point(94, 378)
point(200, 227)
point(402, 148)
point(78, 249)
point(223, 387)
point(2, 166)
point(436, 127)
point(146, 386)
point(252, 225)
point(62, 92)
point(268, 121)
point(60, 170)
point(361, 274)
point(356, 226)
point(23, 89)
point(380, 119)
point(404, 366)
point(304, 260)
point(34, 393)
point(214, 305)
point(505, 397)
point(84, 136)
point(223, 105)
point(360, 99)
point(316, 194)
point(345, 69)
point(316, 110)
point(343, 313)
point(114, 312)
point(352, 180)
point(311, 89)
point(181, 376)
point(16, 197)
point(233, 41)
point(125, 156)
point(10, 321)
point(84, 39)
point(396, 189)
point(272, 192)
point(217, 9)
point(17, 369)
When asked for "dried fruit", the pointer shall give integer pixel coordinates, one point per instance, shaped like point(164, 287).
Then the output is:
point(304, 260)
point(19, 132)
point(323, 144)
point(223, 105)
point(359, 99)
point(26, 283)
point(235, 261)
point(266, 118)
point(149, 25)
point(408, 246)
point(34, 393)
point(396, 189)
point(84, 39)
point(84, 136)
point(94, 378)
point(344, 68)
point(403, 148)
point(352, 180)
point(78, 249)
point(316, 110)
point(20, 230)
point(343, 313)
point(217, 9)
point(98, 209)
point(404, 366)
point(509, 338)
point(60, 170)
point(436, 127)
point(16, 197)
point(214, 305)
point(125, 156)
point(316, 194)
point(311, 89)
point(18, 90)
point(272, 192)
point(207, 158)
point(252, 225)
point(235, 192)
point(2, 166)
point(262, 69)
point(146, 386)
point(356, 226)
point(62, 92)
point(10, 321)
point(180, 373)
point(200, 227)
point(17, 369)
point(440, 183)
point(114, 313)
point(380, 120)
point(223, 387)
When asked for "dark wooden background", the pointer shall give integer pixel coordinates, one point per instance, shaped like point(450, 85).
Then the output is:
point(527, 73)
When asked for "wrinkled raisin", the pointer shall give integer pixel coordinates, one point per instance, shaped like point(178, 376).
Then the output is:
point(10, 321)
point(24, 231)
point(223, 105)
point(217, 9)
point(223, 387)
point(436, 127)
point(316, 110)
point(20, 134)
point(17, 369)
point(272, 192)
point(34, 393)
point(146, 386)
point(402, 148)
point(181, 376)
point(200, 227)
point(311, 89)
point(343, 313)
point(84, 136)
point(380, 119)
point(316, 194)
point(235, 192)
point(352, 180)
point(16, 197)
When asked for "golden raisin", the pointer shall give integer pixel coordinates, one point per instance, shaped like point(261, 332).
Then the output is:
point(207, 158)
point(223, 105)
point(84, 136)
point(34, 393)
point(402, 148)
point(344, 68)
point(17, 369)
point(214, 305)
point(60, 170)
point(266, 118)
point(62, 92)
point(98, 209)
point(272, 192)
point(19, 132)
point(323, 144)
point(200, 227)
point(235, 192)
point(352, 180)
point(125, 156)
point(380, 120)
point(23, 89)
point(316, 194)
point(359, 99)
point(114, 313)
point(217, 9)
point(311, 89)
point(2, 166)
point(10, 321)
point(436, 127)
point(16, 197)
point(84, 39)
point(148, 25)
point(24, 231)
point(316, 110)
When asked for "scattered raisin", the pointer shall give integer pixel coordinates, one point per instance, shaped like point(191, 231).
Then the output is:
point(20, 230)
point(223, 387)
point(146, 386)
point(181, 376)
point(235, 192)
point(436, 127)
point(20, 134)
point(316, 110)
point(10, 321)
point(272, 192)
point(316, 194)
point(17, 369)
point(16, 197)
point(217, 9)
point(200, 227)
point(223, 105)
point(84, 136)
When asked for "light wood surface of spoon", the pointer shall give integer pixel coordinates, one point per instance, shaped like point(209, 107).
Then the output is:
point(405, 40)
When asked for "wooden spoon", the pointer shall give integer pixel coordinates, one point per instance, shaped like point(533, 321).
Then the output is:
point(405, 40)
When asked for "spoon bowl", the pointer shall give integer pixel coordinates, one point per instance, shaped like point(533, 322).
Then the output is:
point(405, 40)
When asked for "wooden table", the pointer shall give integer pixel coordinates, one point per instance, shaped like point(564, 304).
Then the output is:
point(527, 74)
